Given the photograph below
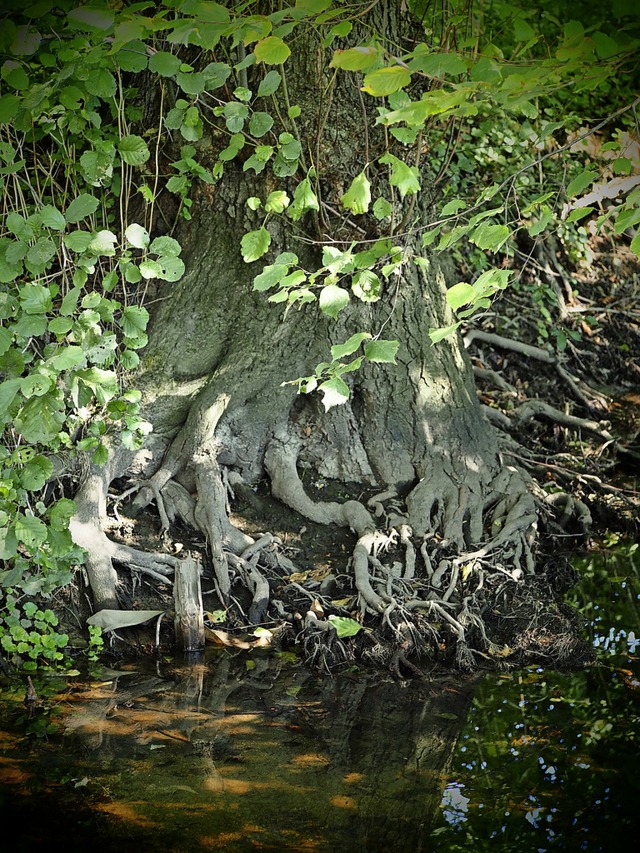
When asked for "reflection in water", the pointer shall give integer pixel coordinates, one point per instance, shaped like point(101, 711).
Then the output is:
point(221, 757)
point(255, 753)
point(549, 761)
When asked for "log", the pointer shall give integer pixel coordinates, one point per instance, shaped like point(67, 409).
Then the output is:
point(187, 595)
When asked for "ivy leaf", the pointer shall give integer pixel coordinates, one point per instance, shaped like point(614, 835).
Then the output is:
point(81, 207)
point(255, 244)
point(272, 51)
point(335, 392)
point(386, 81)
point(358, 197)
point(333, 299)
point(133, 150)
point(382, 351)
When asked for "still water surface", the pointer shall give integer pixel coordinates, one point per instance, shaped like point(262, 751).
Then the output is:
point(254, 753)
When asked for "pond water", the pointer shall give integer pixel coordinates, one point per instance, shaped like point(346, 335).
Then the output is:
point(249, 752)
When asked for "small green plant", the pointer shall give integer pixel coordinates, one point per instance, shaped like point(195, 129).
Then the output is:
point(96, 643)
point(29, 637)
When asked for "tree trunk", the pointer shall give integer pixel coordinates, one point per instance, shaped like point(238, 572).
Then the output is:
point(457, 523)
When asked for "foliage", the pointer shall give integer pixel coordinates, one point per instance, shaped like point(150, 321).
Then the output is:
point(28, 635)
point(546, 759)
point(92, 191)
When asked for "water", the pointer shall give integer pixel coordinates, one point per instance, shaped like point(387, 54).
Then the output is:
point(249, 752)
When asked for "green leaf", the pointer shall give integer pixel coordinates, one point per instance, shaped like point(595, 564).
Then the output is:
point(269, 84)
point(437, 64)
point(270, 276)
point(78, 241)
point(358, 197)
point(8, 390)
point(335, 392)
point(453, 207)
point(150, 269)
point(6, 339)
point(344, 626)
point(272, 51)
point(581, 182)
point(166, 246)
point(41, 252)
point(35, 385)
point(385, 81)
point(165, 64)
point(490, 237)
point(382, 208)
point(9, 106)
point(91, 18)
point(260, 124)
point(134, 320)
point(103, 243)
point(356, 58)
point(437, 335)
point(67, 357)
point(460, 294)
point(304, 199)
point(41, 418)
point(81, 207)
point(35, 473)
point(235, 115)
point(255, 244)
point(382, 351)
point(60, 513)
point(216, 74)
point(171, 269)
point(366, 286)
point(191, 82)
point(626, 219)
point(52, 218)
point(403, 176)
point(133, 150)
point(137, 236)
point(35, 299)
point(350, 346)
point(277, 201)
point(333, 299)
point(30, 531)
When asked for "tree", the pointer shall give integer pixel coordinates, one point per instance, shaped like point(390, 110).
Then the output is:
point(301, 137)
